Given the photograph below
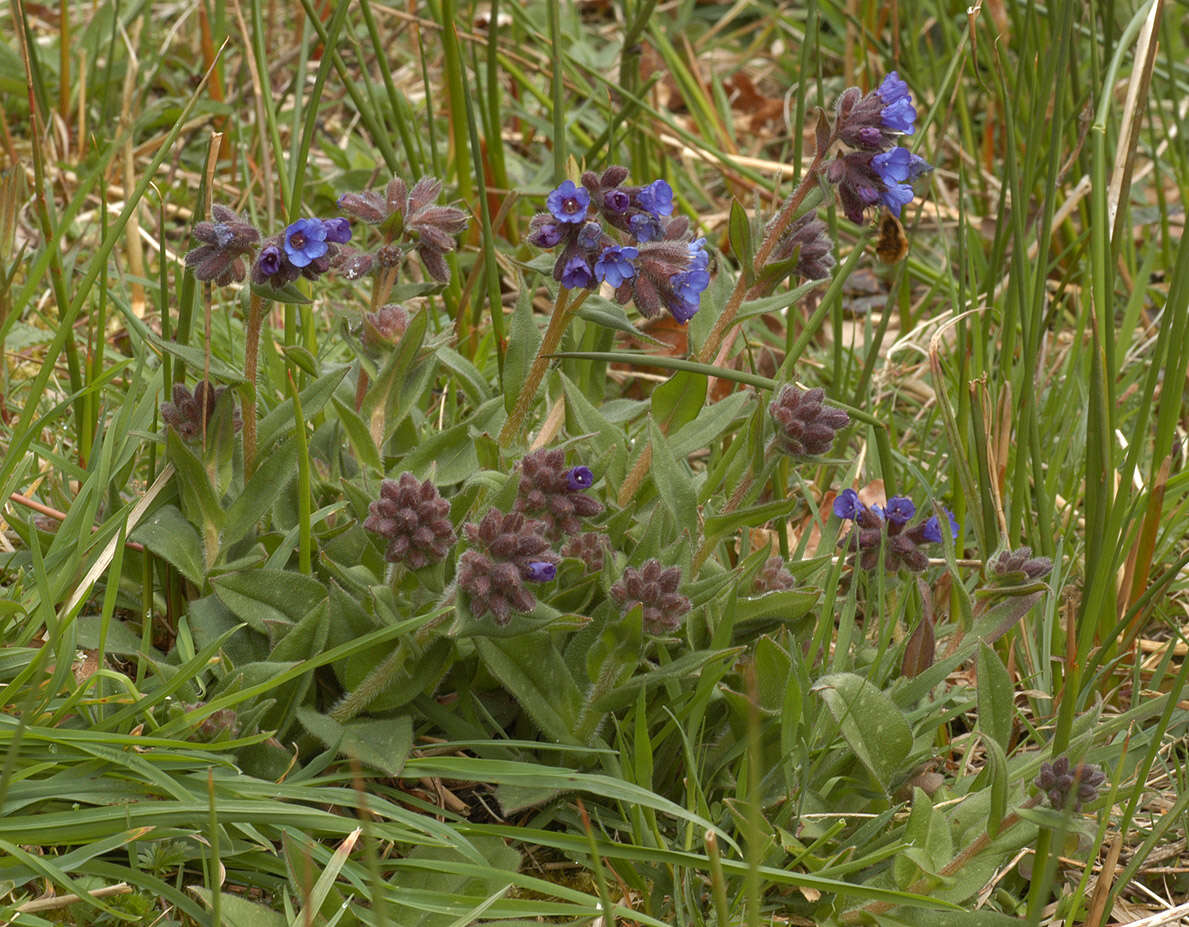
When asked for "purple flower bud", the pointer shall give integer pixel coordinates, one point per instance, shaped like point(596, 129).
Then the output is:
point(538, 571)
point(645, 227)
point(590, 236)
point(579, 478)
point(269, 261)
point(544, 231)
point(932, 529)
point(338, 230)
point(616, 200)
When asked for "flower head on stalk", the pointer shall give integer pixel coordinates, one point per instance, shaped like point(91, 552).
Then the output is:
point(886, 527)
point(226, 241)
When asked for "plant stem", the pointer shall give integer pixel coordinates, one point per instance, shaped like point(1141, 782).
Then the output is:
point(777, 229)
point(563, 311)
point(251, 359)
point(709, 349)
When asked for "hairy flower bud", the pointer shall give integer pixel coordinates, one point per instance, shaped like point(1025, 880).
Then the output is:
point(774, 577)
point(414, 518)
point(1065, 787)
point(655, 588)
point(553, 493)
point(507, 551)
point(805, 427)
point(190, 413)
point(226, 240)
point(589, 547)
point(1010, 564)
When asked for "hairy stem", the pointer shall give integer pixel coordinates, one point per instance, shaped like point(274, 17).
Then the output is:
point(563, 311)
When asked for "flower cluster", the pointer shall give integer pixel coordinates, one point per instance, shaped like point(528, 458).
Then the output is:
point(385, 326)
point(773, 577)
point(226, 241)
point(306, 248)
point(877, 170)
point(1019, 566)
point(1064, 786)
point(655, 588)
point(309, 247)
point(414, 518)
point(507, 551)
point(409, 214)
point(886, 527)
point(590, 547)
point(190, 412)
point(627, 237)
point(553, 493)
point(808, 241)
point(805, 427)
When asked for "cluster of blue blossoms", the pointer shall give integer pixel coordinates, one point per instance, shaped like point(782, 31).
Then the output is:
point(885, 527)
point(304, 248)
point(878, 171)
point(653, 260)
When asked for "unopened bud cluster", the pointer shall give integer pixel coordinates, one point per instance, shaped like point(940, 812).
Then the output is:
point(654, 587)
point(507, 551)
point(804, 426)
point(190, 412)
point(554, 493)
point(1070, 787)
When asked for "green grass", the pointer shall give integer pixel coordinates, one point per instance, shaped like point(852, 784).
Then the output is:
point(219, 704)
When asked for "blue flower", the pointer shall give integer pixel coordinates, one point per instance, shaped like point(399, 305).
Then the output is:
point(699, 259)
point(568, 202)
point(270, 260)
point(615, 264)
point(897, 196)
point(898, 113)
point(688, 287)
point(305, 241)
point(932, 529)
point(590, 236)
point(337, 230)
point(847, 504)
point(539, 571)
point(656, 198)
point(917, 166)
point(893, 166)
point(900, 510)
point(577, 274)
point(645, 226)
point(579, 478)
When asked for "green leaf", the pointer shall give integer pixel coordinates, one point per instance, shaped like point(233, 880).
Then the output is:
point(716, 525)
point(269, 597)
point(710, 422)
point(534, 672)
point(469, 377)
point(706, 662)
point(739, 234)
point(772, 668)
point(267, 483)
point(870, 722)
point(674, 483)
point(783, 605)
point(239, 912)
point(359, 437)
point(1000, 783)
point(198, 496)
point(524, 339)
point(169, 535)
point(610, 315)
point(196, 358)
point(678, 401)
point(995, 694)
point(382, 744)
point(288, 294)
point(446, 456)
point(313, 398)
